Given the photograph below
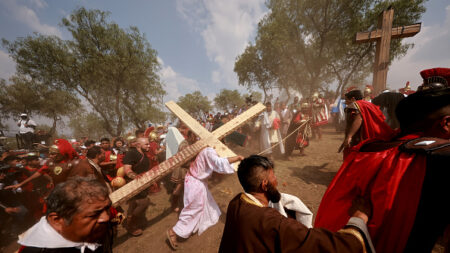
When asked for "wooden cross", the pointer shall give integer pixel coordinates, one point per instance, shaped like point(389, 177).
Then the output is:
point(206, 139)
point(383, 36)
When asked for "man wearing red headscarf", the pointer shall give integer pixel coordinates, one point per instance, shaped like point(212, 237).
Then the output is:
point(405, 178)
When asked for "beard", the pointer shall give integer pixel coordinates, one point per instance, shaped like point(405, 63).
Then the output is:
point(272, 193)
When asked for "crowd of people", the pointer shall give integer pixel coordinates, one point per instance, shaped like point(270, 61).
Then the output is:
point(390, 189)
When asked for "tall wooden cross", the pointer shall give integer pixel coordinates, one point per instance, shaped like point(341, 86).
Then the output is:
point(206, 139)
point(383, 36)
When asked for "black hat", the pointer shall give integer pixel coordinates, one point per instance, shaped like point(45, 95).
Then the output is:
point(413, 110)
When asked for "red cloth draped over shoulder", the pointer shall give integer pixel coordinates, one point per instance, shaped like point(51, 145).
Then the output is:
point(276, 123)
point(393, 181)
point(373, 125)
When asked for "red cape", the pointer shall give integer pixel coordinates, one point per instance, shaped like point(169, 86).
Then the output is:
point(374, 125)
point(392, 179)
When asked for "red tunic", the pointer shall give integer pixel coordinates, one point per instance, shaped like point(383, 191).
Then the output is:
point(373, 125)
point(301, 140)
point(393, 181)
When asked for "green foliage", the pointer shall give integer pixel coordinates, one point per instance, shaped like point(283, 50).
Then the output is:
point(226, 100)
point(113, 69)
point(308, 44)
point(195, 104)
point(89, 125)
point(255, 95)
point(25, 95)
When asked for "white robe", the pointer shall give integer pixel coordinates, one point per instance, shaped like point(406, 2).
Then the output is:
point(291, 202)
point(268, 134)
point(200, 210)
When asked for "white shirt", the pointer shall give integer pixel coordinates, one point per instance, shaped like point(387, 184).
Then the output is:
point(23, 129)
point(43, 235)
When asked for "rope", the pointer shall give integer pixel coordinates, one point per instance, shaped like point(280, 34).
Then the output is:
point(308, 128)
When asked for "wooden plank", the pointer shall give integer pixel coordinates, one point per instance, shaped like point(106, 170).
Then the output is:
point(207, 139)
point(363, 37)
point(148, 178)
point(406, 31)
point(223, 151)
point(238, 121)
point(397, 32)
point(382, 51)
point(190, 122)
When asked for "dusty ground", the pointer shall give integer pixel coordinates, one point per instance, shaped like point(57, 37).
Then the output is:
point(305, 176)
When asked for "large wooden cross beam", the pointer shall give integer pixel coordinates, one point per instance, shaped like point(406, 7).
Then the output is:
point(206, 139)
point(382, 36)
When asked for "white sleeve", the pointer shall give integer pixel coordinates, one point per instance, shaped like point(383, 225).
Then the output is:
point(217, 163)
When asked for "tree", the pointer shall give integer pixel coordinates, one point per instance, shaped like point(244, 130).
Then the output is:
point(113, 69)
point(89, 125)
point(25, 95)
point(308, 44)
point(252, 71)
point(226, 100)
point(195, 104)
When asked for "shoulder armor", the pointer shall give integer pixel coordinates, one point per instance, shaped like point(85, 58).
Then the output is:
point(426, 145)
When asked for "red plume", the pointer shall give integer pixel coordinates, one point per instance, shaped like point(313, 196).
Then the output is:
point(148, 131)
point(66, 149)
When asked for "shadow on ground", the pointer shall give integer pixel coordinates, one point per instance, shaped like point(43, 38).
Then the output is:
point(145, 224)
point(313, 174)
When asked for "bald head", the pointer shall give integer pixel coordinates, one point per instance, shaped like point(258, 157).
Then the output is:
point(143, 144)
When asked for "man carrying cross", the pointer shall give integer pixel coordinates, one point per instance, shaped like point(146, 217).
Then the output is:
point(206, 162)
point(200, 210)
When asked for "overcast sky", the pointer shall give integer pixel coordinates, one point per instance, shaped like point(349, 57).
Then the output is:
point(198, 40)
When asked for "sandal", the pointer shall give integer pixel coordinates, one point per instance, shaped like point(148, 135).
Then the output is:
point(172, 238)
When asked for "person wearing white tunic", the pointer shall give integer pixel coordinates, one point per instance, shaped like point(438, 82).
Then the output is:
point(269, 133)
point(200, 210)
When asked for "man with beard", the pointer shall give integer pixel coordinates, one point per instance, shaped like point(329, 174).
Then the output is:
point(251, 226)
point(78, 220)
point(89, 167)
point(135, 163)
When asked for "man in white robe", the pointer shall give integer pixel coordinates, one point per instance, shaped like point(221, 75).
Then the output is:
point(200, 210)
point(269, 124)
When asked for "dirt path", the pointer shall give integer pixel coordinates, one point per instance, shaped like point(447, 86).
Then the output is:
point(305, 176)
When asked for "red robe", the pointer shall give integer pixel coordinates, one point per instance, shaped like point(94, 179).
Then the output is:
point(373, 125)
point(301, 140)
point(393, 181)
